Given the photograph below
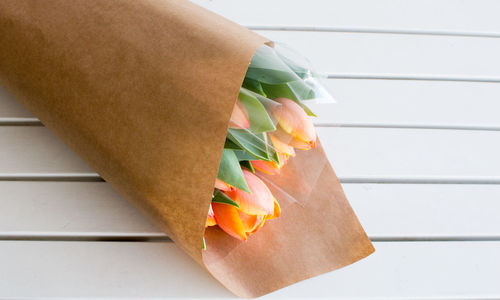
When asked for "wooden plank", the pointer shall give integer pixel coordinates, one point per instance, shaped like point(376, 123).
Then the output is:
point(458, 270)
point(380, 103)
point(69, 209)
point(428, 16)
point(427, 211)
point(41, 151)
point(396, 55)
point(369, 154)
point(374, 153)
point(387, 211)
point(411, 103)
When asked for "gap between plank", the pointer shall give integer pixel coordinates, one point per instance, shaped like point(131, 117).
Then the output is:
point(64, 177)
point(412, 77)
point(36, 122)
point(160, 237)
point(94, 177)
point(86, 237)
point(421, 180)
point(376, 31)
point(409, 126)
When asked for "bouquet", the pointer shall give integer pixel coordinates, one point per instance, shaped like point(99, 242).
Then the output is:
point(263, 135)
point(202, 124)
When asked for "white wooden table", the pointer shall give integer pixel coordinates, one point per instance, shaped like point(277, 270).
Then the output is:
point(417, 150)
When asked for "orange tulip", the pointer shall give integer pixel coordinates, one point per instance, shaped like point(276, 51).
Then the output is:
point(295, 127)
point(221, 185)
point(239, 117)
point(281, 147)
point(210, 217)
point(255, 208)
point(259, 202)
point(270, 167)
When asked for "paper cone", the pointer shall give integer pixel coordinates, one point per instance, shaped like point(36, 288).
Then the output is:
point(143, 92)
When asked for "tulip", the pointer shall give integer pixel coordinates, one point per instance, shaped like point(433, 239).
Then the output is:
point(295, 128)
point(221, 185)
point(259, 202)
point(281, 147)
point(210, 218)
point(270, 167)
point(254, 208)
point(239, 117)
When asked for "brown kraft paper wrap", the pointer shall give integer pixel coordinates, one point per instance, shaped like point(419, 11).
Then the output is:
point(143, 92)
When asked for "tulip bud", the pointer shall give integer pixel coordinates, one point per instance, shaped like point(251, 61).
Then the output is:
point(239, 117)
point(229, 220)
point(281, 147)
point(271, 167)
point(268, 167)
point(255, 208)
point(295, 127)
point(259, 202)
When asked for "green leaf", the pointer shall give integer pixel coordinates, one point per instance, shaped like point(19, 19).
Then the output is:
point(257, 113)
point(253, 85)
point(220, 197)
point(244, 155)
point(230, 170)
point(271, 76)
point(273, 155)
point(247, 164)
point(254, 143)
point(230, 145)
point(279, 78)
point(267, 66)
point(276, 158)
point(204, 247)
point(295, 90)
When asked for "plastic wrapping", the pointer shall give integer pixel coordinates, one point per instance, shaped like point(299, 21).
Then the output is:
point(270, 123)
point(275, 73)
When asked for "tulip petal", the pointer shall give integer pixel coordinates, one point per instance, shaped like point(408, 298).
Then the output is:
point(277, 210)
point(210, 218)
point(259, 225)
point(283, 159)
point(282, 147)
point(285, 137)
point(250, 222)
point(259, 202)
point(268, 167)
point(239, 117)
point(210, 222)
point(221, 185)
point(295, 121)
point(228, 219)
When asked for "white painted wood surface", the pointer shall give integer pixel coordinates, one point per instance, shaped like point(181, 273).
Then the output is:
point(85, 210)
point(470, 17)
point(362, 154)
point(400, 270)
point(418, 89)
